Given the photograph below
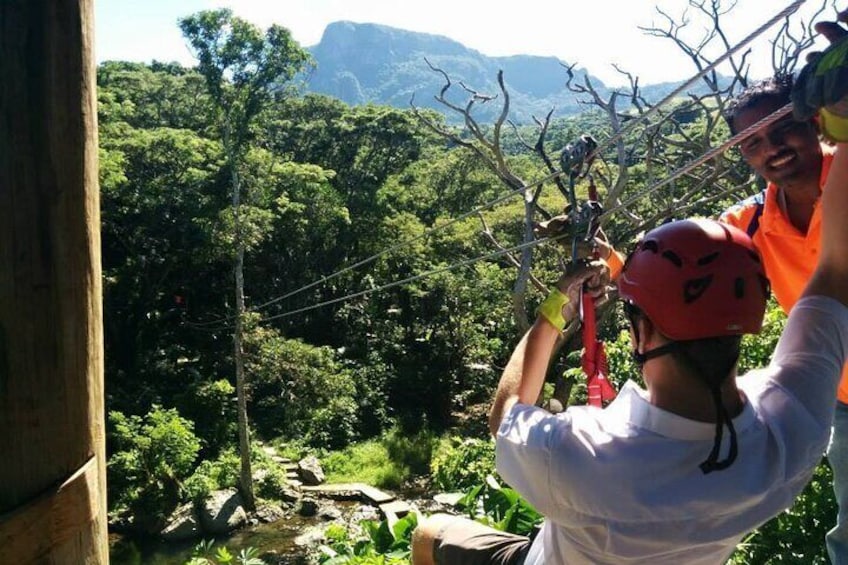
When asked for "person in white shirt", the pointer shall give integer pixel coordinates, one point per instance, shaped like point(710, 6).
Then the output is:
point(681, 471)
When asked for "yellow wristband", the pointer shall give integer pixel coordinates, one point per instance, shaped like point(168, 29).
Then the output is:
point(833, 126)
point(551, 309)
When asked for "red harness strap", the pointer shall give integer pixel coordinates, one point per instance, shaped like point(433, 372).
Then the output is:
point(594, 360)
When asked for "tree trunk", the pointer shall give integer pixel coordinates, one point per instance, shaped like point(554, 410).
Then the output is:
point(246, 477)
point(52, 471)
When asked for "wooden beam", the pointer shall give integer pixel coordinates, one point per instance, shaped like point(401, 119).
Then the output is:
point(52, 468)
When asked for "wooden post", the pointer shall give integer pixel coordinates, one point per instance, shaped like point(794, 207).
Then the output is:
point(52, 468)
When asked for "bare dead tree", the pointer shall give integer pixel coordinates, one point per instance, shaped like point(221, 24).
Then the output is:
point(487, 143)
point(687, 127)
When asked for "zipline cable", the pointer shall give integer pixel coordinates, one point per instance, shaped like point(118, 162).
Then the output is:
point(789, 10)
point(765, 121)
point(463, 263)
point(782, 14)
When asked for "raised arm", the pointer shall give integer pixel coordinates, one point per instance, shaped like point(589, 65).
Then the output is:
point(524, 375)
point(831, 275)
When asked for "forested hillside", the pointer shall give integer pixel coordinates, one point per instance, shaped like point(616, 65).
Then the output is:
point(379, 297)
point(362, 63)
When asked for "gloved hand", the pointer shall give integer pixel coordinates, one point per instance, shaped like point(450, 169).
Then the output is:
point(822, 85)
point(559, 228)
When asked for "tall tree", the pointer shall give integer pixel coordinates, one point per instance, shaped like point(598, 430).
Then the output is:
point(244, 69)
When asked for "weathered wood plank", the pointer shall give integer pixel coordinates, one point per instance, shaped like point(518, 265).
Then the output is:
point(51, 330)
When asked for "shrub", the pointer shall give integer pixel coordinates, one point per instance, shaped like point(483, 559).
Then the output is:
point(384, 462)
point(757, 349)
point(151, 457)
point(273, 484)
point(460, 464)
point(501, 508)
point(796, 535)
point(209, 476)
point(381, 545)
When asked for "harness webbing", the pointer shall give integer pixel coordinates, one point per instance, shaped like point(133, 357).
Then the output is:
point(594, 359)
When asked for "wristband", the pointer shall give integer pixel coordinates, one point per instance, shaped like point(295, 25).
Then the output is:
point(833, 126)
point(551, 309)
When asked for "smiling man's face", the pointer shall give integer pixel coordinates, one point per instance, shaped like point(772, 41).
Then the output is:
point(786, 151)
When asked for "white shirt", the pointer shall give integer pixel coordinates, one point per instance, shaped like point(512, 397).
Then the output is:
point(623, 484)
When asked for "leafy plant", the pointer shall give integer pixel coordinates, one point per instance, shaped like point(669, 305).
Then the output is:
point(209, 476)
point(796, 535)
point(384, 544)
point(460, 464)
point(152, 456)
point(205, 553)
point(501, 508)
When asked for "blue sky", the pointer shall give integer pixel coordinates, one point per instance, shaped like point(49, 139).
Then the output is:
point(596, 33)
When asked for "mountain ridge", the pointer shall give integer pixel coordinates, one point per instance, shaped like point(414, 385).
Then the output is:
point(361, 63)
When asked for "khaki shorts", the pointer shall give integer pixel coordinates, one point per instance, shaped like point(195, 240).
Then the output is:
point(467, 542)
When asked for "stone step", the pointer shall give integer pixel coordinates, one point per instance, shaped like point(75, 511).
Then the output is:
point(337, 491)
point(394, 510)
point(397, 508)
point(448, 498)
point(375, 495)
point(351, 491)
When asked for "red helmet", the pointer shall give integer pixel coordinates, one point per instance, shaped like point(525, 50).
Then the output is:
point(697, 279)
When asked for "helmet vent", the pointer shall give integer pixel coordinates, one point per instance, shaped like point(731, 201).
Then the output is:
point(739, 287)
point(651, 245)
point(673, 257)
point(694, 288)
point(707, 259)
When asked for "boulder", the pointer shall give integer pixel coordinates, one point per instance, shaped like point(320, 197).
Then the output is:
point(329, 512)
point(310, 471)
point(308, 507)
point(222, 512)
point(182, 524)
point(269, 513)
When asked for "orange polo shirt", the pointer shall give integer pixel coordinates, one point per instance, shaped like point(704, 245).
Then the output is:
point(789, 256)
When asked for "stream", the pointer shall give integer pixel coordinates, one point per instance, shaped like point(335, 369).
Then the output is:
point(277, 538)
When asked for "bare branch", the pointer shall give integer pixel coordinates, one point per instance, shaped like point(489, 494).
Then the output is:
point(540, 286)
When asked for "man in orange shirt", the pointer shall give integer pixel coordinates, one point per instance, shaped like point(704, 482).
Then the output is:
point(784, 222)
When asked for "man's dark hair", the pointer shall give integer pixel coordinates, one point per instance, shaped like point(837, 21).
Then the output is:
point(775, 90)
point(712, 358)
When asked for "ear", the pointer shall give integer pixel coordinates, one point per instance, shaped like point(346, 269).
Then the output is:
point(648, 335)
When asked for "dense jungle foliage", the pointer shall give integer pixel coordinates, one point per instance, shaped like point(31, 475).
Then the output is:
point(406, 370)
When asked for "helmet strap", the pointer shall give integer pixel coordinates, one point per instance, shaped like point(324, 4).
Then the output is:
point(712, 462)
point(722, 417)
point(641, 358)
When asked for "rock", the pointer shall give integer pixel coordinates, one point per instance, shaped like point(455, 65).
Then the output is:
point(312, 537)
point(287, 494)
point(269, 513)
point(365, 512)
point(553, 406)
point(308, 507)
point(222, 512)
point(310, 471)
point(182, 524)
point(448, 498)
point(328, 512)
